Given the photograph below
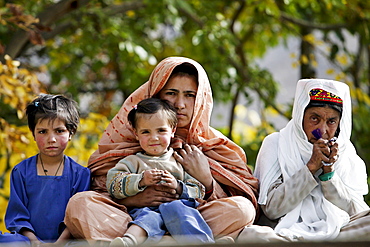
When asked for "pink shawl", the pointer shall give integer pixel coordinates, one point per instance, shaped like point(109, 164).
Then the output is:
point(226, 159)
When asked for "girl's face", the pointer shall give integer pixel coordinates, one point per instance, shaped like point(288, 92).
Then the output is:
point(153, 133)
point(181, 92)
point(325, 118)
point(51, 137)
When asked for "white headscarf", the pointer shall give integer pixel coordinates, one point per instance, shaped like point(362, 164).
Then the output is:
point(314, 218)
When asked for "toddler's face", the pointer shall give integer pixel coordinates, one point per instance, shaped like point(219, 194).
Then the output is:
point(51, 137)
point(154, 133)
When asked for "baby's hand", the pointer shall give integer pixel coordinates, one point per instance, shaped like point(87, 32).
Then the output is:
point(169, 180)
point(151, 177)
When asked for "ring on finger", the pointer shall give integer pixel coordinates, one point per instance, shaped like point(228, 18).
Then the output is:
point(326, 164)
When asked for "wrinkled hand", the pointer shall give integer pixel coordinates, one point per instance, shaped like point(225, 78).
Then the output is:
point(333, 157)
point(152, 196)
point(151, 177)
point(323, 152)
point(196, 164)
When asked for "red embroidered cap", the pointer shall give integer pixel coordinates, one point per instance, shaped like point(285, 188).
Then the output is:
point(320, 95)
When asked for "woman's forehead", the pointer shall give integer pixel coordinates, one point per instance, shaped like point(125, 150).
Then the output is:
point(182, 83)
point(325, 110)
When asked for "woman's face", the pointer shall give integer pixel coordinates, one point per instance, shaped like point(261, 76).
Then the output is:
point(325, 118)
point(181, 91)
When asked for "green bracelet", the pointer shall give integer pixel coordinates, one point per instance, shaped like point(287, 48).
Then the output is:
point(326, 176)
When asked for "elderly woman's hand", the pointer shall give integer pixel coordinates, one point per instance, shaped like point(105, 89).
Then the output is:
point(195, 164)
point(323, 153)
point(333, 157)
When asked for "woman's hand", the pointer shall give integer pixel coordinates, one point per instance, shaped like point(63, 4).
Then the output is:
point(151, 196)
point(323, 151)
point(333, 157)
point(196, 164)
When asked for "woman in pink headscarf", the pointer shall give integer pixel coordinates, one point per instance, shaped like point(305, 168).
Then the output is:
point(206, 154)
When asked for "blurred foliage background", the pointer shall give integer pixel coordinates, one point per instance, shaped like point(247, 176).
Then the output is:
point(99, 51)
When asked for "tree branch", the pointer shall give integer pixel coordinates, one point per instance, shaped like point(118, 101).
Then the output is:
point(307, 24)
point(47, 17)
point(240, 69)
point(191, 16)
point(56, 12)
point(116, 9)
point(236, 16)
point(108, 11)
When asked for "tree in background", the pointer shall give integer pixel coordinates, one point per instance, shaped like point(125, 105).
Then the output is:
point(16, 89)
point(99, 51)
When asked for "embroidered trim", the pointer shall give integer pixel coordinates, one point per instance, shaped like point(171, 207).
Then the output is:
point(318, 94)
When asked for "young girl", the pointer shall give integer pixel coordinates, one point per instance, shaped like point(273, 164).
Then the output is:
point(154, 123)
point(41, 186)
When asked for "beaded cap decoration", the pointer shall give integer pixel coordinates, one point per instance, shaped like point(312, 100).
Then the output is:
point(320, 95)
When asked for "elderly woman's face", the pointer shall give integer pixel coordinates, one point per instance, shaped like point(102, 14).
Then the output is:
point(325, 118)
point(181, 91)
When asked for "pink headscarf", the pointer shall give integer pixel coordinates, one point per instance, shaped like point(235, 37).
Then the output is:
point(226, 159)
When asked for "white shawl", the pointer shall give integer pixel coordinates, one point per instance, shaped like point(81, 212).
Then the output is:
point(315, 218)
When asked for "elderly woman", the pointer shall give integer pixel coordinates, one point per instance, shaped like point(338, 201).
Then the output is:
point(211, 158)
point(312, 181)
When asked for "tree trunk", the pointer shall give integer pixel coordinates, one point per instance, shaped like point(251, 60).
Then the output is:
point(308, 51)
point(232, 114)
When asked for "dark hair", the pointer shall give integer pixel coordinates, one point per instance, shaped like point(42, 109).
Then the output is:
point(185, 69)
point(151, 106)
point(336, 107)
point(322, 104)
point(47, 106)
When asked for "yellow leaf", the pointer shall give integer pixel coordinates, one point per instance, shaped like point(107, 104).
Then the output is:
point(330, 71)
point(342, 59)
point(314, 63)
point(304, 59)
point(24, 139)
point(130, 13)
point(310, 38)
point(16, 63)
point(240, 111)
point(271, 111)
point(20, 113)
point(20, 92)
point(7, 87)
point(340, 76)
point(329, 5)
